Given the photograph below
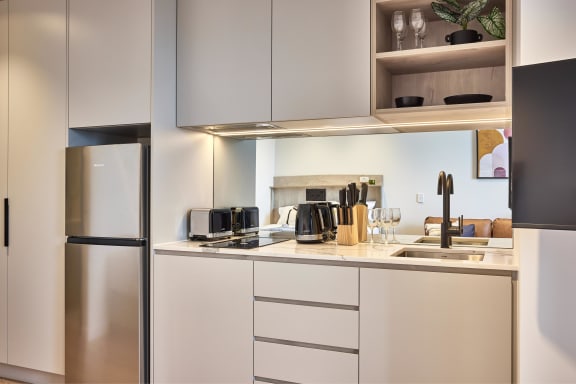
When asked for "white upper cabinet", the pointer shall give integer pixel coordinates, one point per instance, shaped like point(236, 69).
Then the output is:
point(243, 61)
point(320, 59)
point(224, 64)
point(109, 62)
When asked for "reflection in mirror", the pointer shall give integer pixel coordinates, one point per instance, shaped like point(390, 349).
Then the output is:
point(409, 163)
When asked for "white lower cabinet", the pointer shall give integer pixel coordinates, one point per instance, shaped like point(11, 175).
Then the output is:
point(218, 320)
point(432, 327)
point(304, 365)
point(305, 323)
point(202, 320)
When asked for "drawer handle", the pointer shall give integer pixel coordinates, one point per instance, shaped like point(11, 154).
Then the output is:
point(272, 381)
point(345, 307)
point(306, 345)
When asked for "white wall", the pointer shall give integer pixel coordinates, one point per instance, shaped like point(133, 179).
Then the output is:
point(410, 164)
point(547, 339)
point(182, 161)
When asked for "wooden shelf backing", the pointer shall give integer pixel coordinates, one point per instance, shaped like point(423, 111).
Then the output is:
point(448, 117)
point(444, 58)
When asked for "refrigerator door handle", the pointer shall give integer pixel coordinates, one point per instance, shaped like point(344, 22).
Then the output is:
point(6, 222)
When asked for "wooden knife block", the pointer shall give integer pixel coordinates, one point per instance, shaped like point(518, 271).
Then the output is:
point(348, 234)
point(362, 222)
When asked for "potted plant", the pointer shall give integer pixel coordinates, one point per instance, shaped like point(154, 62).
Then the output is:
point(453, 12)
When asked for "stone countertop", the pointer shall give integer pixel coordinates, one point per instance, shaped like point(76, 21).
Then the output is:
point(379, 253)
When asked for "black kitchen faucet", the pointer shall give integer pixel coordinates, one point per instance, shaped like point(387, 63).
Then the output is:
point(446, 188)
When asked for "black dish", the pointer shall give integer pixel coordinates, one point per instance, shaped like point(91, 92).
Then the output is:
point(409, 101)
point(468, 98)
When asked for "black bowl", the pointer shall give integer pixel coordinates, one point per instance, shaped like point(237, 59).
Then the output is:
point(468, 98)
point(409, 101)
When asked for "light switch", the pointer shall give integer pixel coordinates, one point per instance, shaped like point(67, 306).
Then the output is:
point(420, 198)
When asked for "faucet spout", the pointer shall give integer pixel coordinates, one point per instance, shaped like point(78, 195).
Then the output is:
point(446, 188)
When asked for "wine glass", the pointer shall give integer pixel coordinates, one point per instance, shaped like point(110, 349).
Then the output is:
point(385, 221)
point(395, 220)
point(399, 27)
point(373, 221)
point(423, 33)
point(417, 22)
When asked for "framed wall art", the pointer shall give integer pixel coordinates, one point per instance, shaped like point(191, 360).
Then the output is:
point(492, 153)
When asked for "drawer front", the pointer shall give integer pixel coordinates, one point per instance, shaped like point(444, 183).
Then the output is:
point(318, 283)
point(304, 365)
point(317, 325)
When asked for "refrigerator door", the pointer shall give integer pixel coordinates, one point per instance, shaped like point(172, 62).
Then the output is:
point(106, 191)
point(105, 319)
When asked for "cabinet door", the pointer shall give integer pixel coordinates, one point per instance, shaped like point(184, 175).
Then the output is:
point(224, 61)
point(430, 327)
point(3, 175)
point(109, 62)
point(202, 320)
point(37, 137)
point(320, 59)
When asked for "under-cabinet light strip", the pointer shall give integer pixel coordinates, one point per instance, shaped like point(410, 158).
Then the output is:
point(280, 131)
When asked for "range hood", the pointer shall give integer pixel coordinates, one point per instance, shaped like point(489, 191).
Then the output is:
point(351, 126)
point(299, 128)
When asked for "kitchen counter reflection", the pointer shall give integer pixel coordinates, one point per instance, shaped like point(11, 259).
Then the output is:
point(362, 253)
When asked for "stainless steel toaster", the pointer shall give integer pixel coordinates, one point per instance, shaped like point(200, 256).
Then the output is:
point(206, 223)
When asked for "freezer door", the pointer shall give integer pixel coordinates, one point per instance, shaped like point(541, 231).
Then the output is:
point(105, 328)
point(106, 191)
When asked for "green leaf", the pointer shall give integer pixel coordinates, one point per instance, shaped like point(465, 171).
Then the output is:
point(494, 23)
point(471, 12)
point(454, 3)
point(445, 13)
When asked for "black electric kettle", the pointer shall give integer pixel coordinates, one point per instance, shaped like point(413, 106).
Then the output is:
point(310, 227)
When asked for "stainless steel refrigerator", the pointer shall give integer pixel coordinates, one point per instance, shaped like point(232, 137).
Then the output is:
point(107, 264)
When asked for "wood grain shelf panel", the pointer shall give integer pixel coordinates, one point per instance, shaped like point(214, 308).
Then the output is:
point(434, 59)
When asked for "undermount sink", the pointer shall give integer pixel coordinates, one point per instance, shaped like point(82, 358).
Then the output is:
point(473, 241)
point(440, 254)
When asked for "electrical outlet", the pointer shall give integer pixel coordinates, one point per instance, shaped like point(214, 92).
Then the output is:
point(364, 179)
point(420, 198)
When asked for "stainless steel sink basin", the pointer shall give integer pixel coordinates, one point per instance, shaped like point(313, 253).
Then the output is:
point(472, 241)
point(440, 254)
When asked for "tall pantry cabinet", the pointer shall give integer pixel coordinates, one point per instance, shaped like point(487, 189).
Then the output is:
point(3, 172)
point(32, 139)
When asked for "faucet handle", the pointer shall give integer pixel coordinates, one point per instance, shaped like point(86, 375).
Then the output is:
point(461, 224)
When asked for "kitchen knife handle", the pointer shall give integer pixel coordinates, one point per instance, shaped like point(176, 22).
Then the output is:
point(6, 222)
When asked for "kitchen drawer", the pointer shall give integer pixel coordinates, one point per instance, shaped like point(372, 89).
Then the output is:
point(318, 325)
point(304, 365)
point(306, 282)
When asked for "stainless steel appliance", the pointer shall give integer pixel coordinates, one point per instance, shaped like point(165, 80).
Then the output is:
point(245, 220)
point(210, 223)
point(107, 264)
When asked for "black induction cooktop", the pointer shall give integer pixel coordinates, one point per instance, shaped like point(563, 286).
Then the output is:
point(244, 242)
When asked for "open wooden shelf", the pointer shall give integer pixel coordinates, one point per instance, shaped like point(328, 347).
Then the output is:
point(444, 58)
point(440, 70)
